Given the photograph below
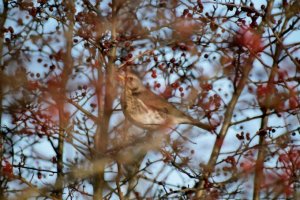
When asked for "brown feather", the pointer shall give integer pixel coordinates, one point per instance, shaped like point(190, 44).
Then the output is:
point(150, 111)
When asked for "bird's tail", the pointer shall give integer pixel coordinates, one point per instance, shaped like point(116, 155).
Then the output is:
point(204, 126)
point(201, 125)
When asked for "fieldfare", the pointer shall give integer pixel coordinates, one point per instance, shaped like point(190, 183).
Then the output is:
point(148, 110)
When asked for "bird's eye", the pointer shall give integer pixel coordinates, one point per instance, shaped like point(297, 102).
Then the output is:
point(130, 78)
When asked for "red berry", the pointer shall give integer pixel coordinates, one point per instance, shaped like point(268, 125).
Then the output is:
point(52, 67)
point(127, 44)
point(7, 169)
point(54, 160)
point(175, 85)
point(185, 12)
point(39, 175)
point(248, 136)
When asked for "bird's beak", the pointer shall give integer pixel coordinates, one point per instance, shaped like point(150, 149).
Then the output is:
point(121, 78)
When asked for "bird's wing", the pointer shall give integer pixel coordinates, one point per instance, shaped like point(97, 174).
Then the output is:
point(162, 105)
point(157, 102)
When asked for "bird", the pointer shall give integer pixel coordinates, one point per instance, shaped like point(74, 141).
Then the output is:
point(148, 110)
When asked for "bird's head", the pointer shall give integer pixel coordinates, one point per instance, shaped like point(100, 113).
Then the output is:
point(131, 81)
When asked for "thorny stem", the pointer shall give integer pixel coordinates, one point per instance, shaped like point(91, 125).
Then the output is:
point(228, 115)
point(105, 110)
point(221, 136)
point(63, 119)
point(2, 22)
point(118, 182)
point(259, 167)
